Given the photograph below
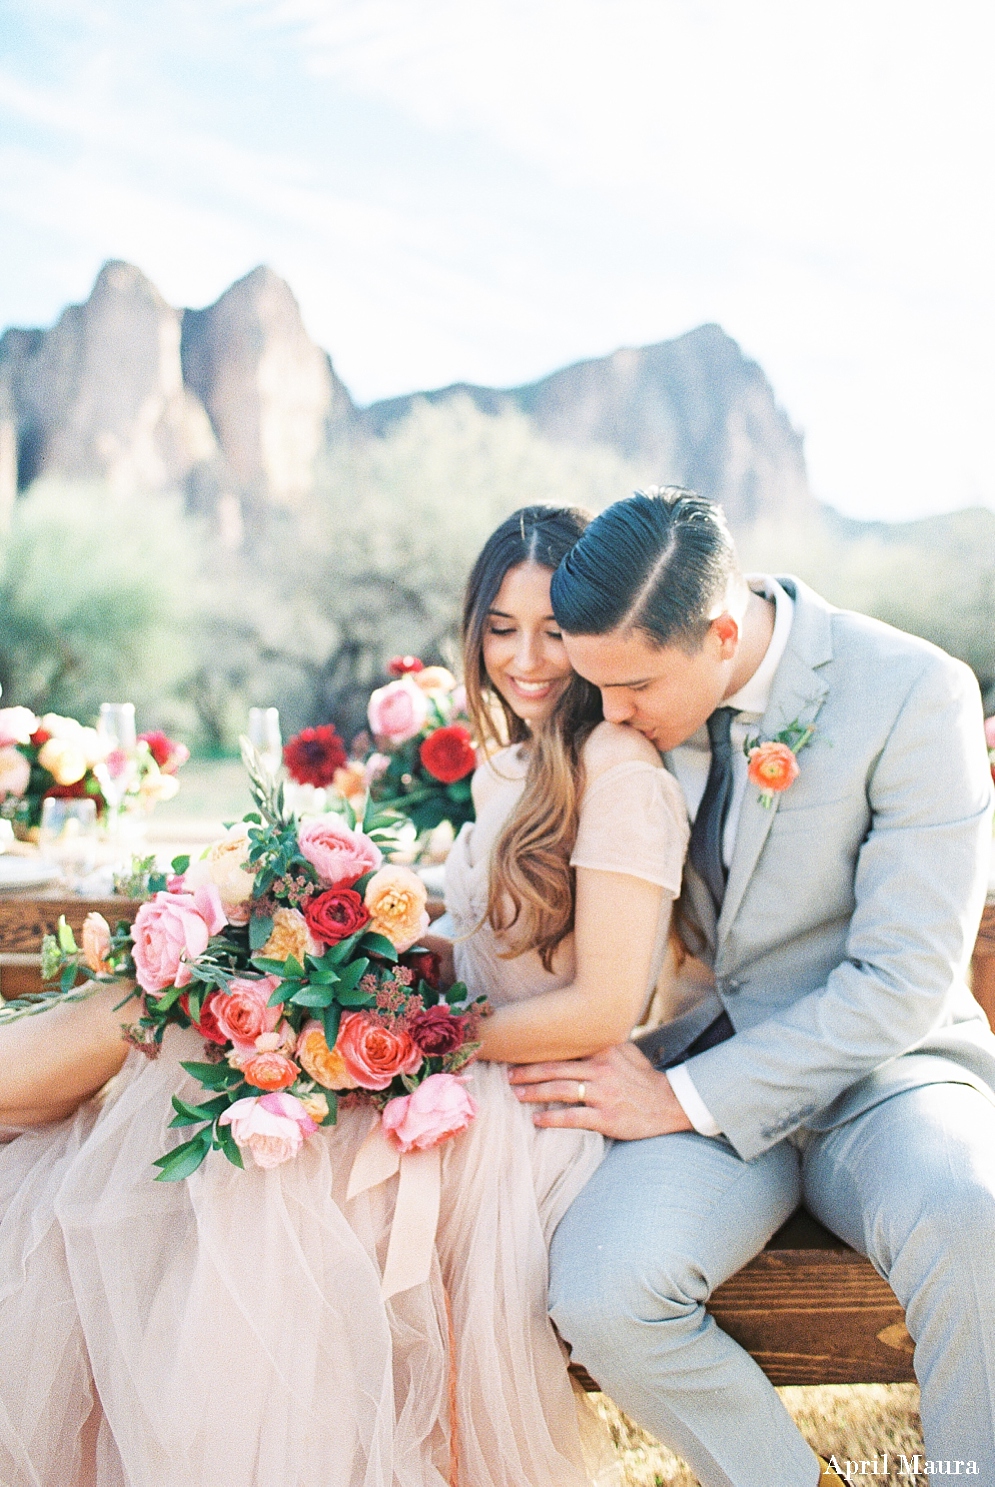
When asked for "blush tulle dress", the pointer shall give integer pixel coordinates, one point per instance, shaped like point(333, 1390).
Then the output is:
point(229, 1330)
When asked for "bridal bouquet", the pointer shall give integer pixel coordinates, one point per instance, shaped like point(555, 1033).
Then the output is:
point(291, 947)
point(425, 754)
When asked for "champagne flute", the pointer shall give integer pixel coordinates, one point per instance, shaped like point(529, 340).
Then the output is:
point(264, 733)
point(118, 770)
point(68, 837)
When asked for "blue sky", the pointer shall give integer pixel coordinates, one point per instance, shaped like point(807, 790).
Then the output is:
point(466, 190)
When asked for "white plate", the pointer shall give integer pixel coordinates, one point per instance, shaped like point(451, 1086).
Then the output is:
point(25, 872)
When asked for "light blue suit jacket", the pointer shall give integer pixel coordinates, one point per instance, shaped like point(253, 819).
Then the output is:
point(853, 902)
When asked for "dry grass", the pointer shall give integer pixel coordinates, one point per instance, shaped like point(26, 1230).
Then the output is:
point(854, 1422)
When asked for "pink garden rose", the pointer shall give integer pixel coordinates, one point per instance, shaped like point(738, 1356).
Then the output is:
point(15, 771)
point(439, 1108)
point(170, 930)
point(271, 1128)
point(242, 1013)
point(338, 854)
point(16, 725)
point(398, 711)
point(990, 732)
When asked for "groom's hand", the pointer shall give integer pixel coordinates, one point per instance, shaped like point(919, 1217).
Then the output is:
point(623, 1095)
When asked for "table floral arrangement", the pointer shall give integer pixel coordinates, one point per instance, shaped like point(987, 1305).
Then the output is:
point(292, 948)
point(57, 757)
point(424, 754)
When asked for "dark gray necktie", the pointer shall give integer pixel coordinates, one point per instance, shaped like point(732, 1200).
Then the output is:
point(705, 849)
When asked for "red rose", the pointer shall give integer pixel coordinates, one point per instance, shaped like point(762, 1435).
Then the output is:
point(40, 736)
point(314, 755)
point(448, 753)
point(208, 1024)
point(166, 753)
point(426, 964)
point(336, 915)
point(401, 665)
point(436, 1031)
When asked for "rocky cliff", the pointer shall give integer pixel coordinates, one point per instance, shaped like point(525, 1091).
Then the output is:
point(234, 403)
point(693, 411)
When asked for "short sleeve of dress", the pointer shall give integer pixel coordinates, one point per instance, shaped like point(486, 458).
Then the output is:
point(633, 820)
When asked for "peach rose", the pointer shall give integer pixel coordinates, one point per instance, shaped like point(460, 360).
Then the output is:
point(773, 767)
point(65, 762)
point(434, 679)
point(290, 936)
point(271, 1128)
point(16, 725)
point(226, 865)
point(438, 1109)
point(170, 930)
point(97, 944)
point(325, 1065)
point(270, 1070)
point(316, 1106)
point(373, 1054)
point(15, 772)
point(396, 898)
point(350, 780)
point(337, 853)
point(398, 711)
point(243, 1014)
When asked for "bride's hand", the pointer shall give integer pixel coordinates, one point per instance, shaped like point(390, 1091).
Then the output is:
point(617, 1092)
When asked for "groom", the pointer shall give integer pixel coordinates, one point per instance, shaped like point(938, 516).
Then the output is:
point(843, 1061)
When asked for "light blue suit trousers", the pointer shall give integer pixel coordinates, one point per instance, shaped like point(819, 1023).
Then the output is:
point(909, 1182)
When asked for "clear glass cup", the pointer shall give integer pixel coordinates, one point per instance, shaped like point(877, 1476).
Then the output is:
point(264, 732)
point(67, 838)
point(118, 771)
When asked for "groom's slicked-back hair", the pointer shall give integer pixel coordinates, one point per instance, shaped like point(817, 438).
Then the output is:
point(657, 563)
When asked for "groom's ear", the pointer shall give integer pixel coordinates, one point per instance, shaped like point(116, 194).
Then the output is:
point(724, 631)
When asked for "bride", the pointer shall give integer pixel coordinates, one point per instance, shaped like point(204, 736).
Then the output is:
point(229, 1331)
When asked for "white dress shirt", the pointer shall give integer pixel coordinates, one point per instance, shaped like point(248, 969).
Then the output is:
point(691, 761)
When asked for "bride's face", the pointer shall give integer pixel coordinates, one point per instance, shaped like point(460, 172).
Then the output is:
point(523, 648)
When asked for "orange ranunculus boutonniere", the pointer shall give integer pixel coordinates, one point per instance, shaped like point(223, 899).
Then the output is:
point(773, 762)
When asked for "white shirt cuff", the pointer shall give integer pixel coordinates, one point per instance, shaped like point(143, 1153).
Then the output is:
point(691, 1102)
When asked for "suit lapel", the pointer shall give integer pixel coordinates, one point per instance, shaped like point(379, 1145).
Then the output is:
point(798, 692)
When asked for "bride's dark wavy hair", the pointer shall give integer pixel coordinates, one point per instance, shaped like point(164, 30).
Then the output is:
point(532, 885)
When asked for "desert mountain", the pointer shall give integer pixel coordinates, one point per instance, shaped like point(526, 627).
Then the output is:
point(233, 405)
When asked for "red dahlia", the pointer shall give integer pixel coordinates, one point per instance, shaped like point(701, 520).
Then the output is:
point(336, 915)
point(401, 665)
point(448, 753)
point(314, 755)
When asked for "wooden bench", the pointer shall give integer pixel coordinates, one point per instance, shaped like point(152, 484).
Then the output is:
point(808, 1308)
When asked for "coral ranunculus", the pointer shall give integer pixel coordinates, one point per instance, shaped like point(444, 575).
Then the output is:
point(270, 1070)
point(439, 1108)
point(396, 898)
point(335, 915)
point(773, 767)
point(374, 1054)
point(448, 753)
point(314, 755)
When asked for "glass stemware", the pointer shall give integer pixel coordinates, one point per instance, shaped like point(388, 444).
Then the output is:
point(67, 837)
point(118, 771)
point(264, 732)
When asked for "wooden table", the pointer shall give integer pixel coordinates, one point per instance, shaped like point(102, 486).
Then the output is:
point(25, 918)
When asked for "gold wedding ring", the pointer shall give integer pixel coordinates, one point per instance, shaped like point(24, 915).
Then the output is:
point(581, 1092)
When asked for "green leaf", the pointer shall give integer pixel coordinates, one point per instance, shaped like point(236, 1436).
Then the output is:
point(177, 1164)
point(260, 930)
point(456, 993)
point(157, 883)
point(254, 817)
point(68, 978)
point(336, 954)
point(352, 975)
point(279, 996)
point(214, 1076)
point(167, 999)
point(226, 1142)
point(331, 1017)
point(188, 1114)
point(181, 863)
point(292, 968)
point(314, 996)
point(268, 964)
point(333, 1107)
point(66, 938)
point(378, 945)
point(460, 790)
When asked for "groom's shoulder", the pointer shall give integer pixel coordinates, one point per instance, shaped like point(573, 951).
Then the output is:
point(858, 646)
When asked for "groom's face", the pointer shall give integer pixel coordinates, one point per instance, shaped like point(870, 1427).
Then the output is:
point(665, 692)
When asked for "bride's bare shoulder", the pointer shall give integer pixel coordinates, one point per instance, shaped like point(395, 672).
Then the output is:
point(611, 744)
